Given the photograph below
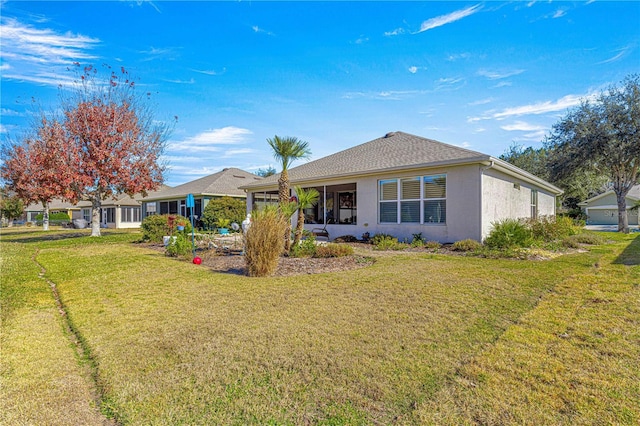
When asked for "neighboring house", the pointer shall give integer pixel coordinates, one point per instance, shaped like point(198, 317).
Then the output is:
point(55, 206)
point(118, 212)
point(603, 209)
point(173, 200)
point(402, 184)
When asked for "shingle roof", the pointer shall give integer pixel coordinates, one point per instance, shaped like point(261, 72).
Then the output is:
point(225, 182)
point(396, 150)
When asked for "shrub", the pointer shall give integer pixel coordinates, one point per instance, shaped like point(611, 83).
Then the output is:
point(181, 246)
point(333, 250)
point(264, 241)
point(509, 233)
point(378, 237)
point(305, 248)
point(549, 228)
point(387, 242)
point(466, 245)
point(432, 245)
point(417, 240)
point(58, 216)
point(156, 226)
point(233, 209)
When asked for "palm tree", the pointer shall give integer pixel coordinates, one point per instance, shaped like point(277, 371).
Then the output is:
point(306, 199)
point(286, 150)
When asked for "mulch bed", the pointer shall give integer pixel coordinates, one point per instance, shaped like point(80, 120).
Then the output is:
point(232, 262)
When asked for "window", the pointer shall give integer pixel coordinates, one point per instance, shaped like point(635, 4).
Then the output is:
point(169, 207)
point(110, 213)
point(150, 208)
point(410, 200)
point(435, 199)
point(347, 207)
point(130, 214)
point(534, 204)
point(389, 201)
point(86, 214)
point(421, 199)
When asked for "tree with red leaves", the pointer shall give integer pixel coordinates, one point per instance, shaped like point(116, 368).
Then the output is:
point(106, 144)
point(113, 141)
point(37, 168)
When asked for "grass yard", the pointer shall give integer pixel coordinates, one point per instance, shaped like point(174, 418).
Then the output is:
point(414, 339)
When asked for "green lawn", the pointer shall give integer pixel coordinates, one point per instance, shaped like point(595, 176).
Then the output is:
point(414, 339)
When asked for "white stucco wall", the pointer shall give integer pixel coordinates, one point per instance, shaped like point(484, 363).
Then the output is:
point(504, 196)
point(476, 196)
point(463, 212)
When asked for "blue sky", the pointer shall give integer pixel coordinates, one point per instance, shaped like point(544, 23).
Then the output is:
point(481, 75)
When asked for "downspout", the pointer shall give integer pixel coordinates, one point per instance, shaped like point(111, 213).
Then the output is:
point(482, 170)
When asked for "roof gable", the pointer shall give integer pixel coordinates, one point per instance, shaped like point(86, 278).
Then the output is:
point(396, 150)
point(633, 194)
point(225, 182)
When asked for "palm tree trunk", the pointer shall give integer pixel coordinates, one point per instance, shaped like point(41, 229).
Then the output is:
point(299, 226)
point(283, 197)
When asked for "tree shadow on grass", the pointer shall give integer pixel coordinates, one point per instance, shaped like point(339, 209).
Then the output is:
point(631, 255)
point(43, 238)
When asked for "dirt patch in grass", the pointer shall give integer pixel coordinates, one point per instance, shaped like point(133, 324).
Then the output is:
point(232, 261)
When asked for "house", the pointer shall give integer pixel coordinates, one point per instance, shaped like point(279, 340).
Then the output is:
point(119, 211)
point(603, 209)
point(31, 211)
point(402, 184)
point(173, 200)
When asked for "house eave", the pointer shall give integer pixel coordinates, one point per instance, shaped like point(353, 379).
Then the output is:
point(196, 195)
point(484, 160)
point(512, 170)
point(377, 172)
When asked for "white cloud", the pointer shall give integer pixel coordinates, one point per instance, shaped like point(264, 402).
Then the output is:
point(497, 75)
point(545, 107)
point(190, 81)
point(236, 152)
point(502, 84)
point(463, 145)
point(37, 54)
point(395, 32)
point(413, 69)
point(361, 40)
point(211, 139)
point(441, 20)
point(481, 102)
point(449, 83)
point(150, 3)
point(521, 126)
point(154, 53)
point(458, 56)
point(256, 29)
point(391, 95)
point(3, 129)
point(210, 72)
point(6, 112)
point(622, 52)
point(559, 13)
